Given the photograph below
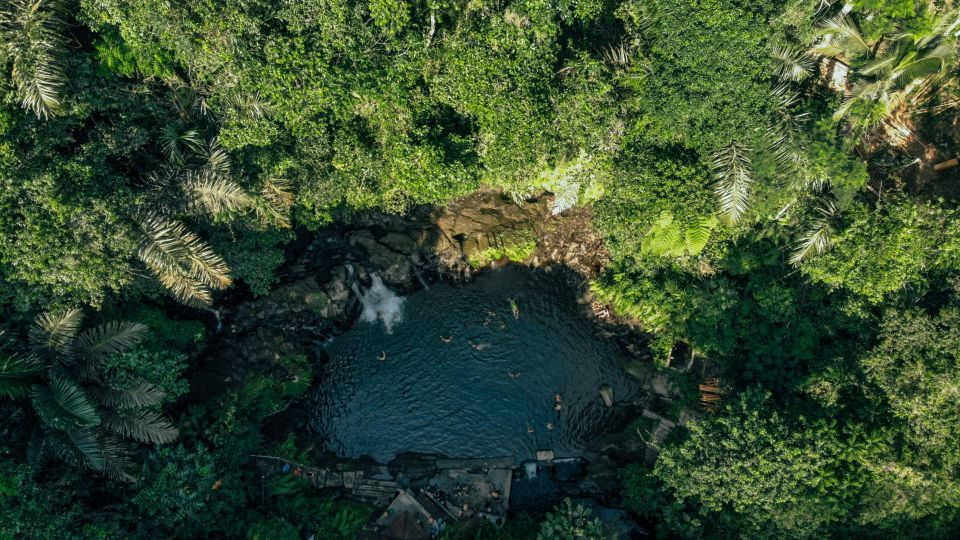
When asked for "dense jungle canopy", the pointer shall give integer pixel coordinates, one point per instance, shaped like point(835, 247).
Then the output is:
point(772, 179)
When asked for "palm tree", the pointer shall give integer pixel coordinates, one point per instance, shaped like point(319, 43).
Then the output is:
point(891, 74)
point(83, 418)
point(31, 42)
point(196, 182)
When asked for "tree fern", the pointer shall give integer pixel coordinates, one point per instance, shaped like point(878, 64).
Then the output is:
point(734, 175)
point(52, 333)
point(17, 372)
point(184, 263)
point(664, 238)
point(143, 425)
point(698, 234)
point(30, 39)
point(62, 404)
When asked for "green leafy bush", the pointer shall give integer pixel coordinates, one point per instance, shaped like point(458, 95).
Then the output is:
point(516, 244)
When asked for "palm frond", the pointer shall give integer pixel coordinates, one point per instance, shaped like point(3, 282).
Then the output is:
point(117, 458)
point(96, 344)
point(138, 396)
point(841, 37)
point(273, 205)
point(813, 243)
point(78, 447)
point(176, 141)
point(784, 131)
point(145, 425)
point(52, 333)
point(819, 235)
point(17, 372)
point(928, 64)
point(943, 27)
point(31, 40)
point(62, 404)
point(734, 174)
point(881, 64)
point(791, 63)
point(213, 194)
point(186, 265)
point(250, 105)
point(216, 159)
point(617, 55)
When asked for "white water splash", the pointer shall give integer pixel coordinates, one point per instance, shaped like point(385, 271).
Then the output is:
point(380, 303)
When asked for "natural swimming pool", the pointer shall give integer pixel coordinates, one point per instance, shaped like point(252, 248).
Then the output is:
point(459, 375)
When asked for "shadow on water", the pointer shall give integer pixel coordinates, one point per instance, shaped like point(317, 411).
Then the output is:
point(459, 375)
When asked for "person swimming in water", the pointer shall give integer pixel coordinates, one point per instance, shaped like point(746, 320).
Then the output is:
point(557, 402)
point(514, 308)
point(446, 339)
point(513, 374)
point(550, 426)
point(382, 356)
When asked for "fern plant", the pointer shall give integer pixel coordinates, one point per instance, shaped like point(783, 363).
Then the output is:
point(671, 237)
point(82, 419)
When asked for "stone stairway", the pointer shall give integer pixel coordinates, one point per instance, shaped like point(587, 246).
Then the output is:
point(376, 491)
point(380, 488)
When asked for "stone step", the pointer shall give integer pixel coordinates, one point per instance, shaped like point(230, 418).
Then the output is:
point(374, 489)
point(375, 482)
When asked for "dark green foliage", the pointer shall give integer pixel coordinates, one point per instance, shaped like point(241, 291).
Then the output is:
point(774, 227)
point(176, 490)
point(889, 250)
point(706, 81)
point(162, 370)
point(573, 522)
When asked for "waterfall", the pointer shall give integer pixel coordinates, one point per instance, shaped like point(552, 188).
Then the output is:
point(380, 303)
point(530, 469)
point(216, 315)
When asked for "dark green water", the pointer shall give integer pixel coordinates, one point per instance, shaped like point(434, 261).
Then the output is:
point(459, 398)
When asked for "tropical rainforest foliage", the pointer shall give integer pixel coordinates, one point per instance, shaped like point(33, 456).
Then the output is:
point(762, 172)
